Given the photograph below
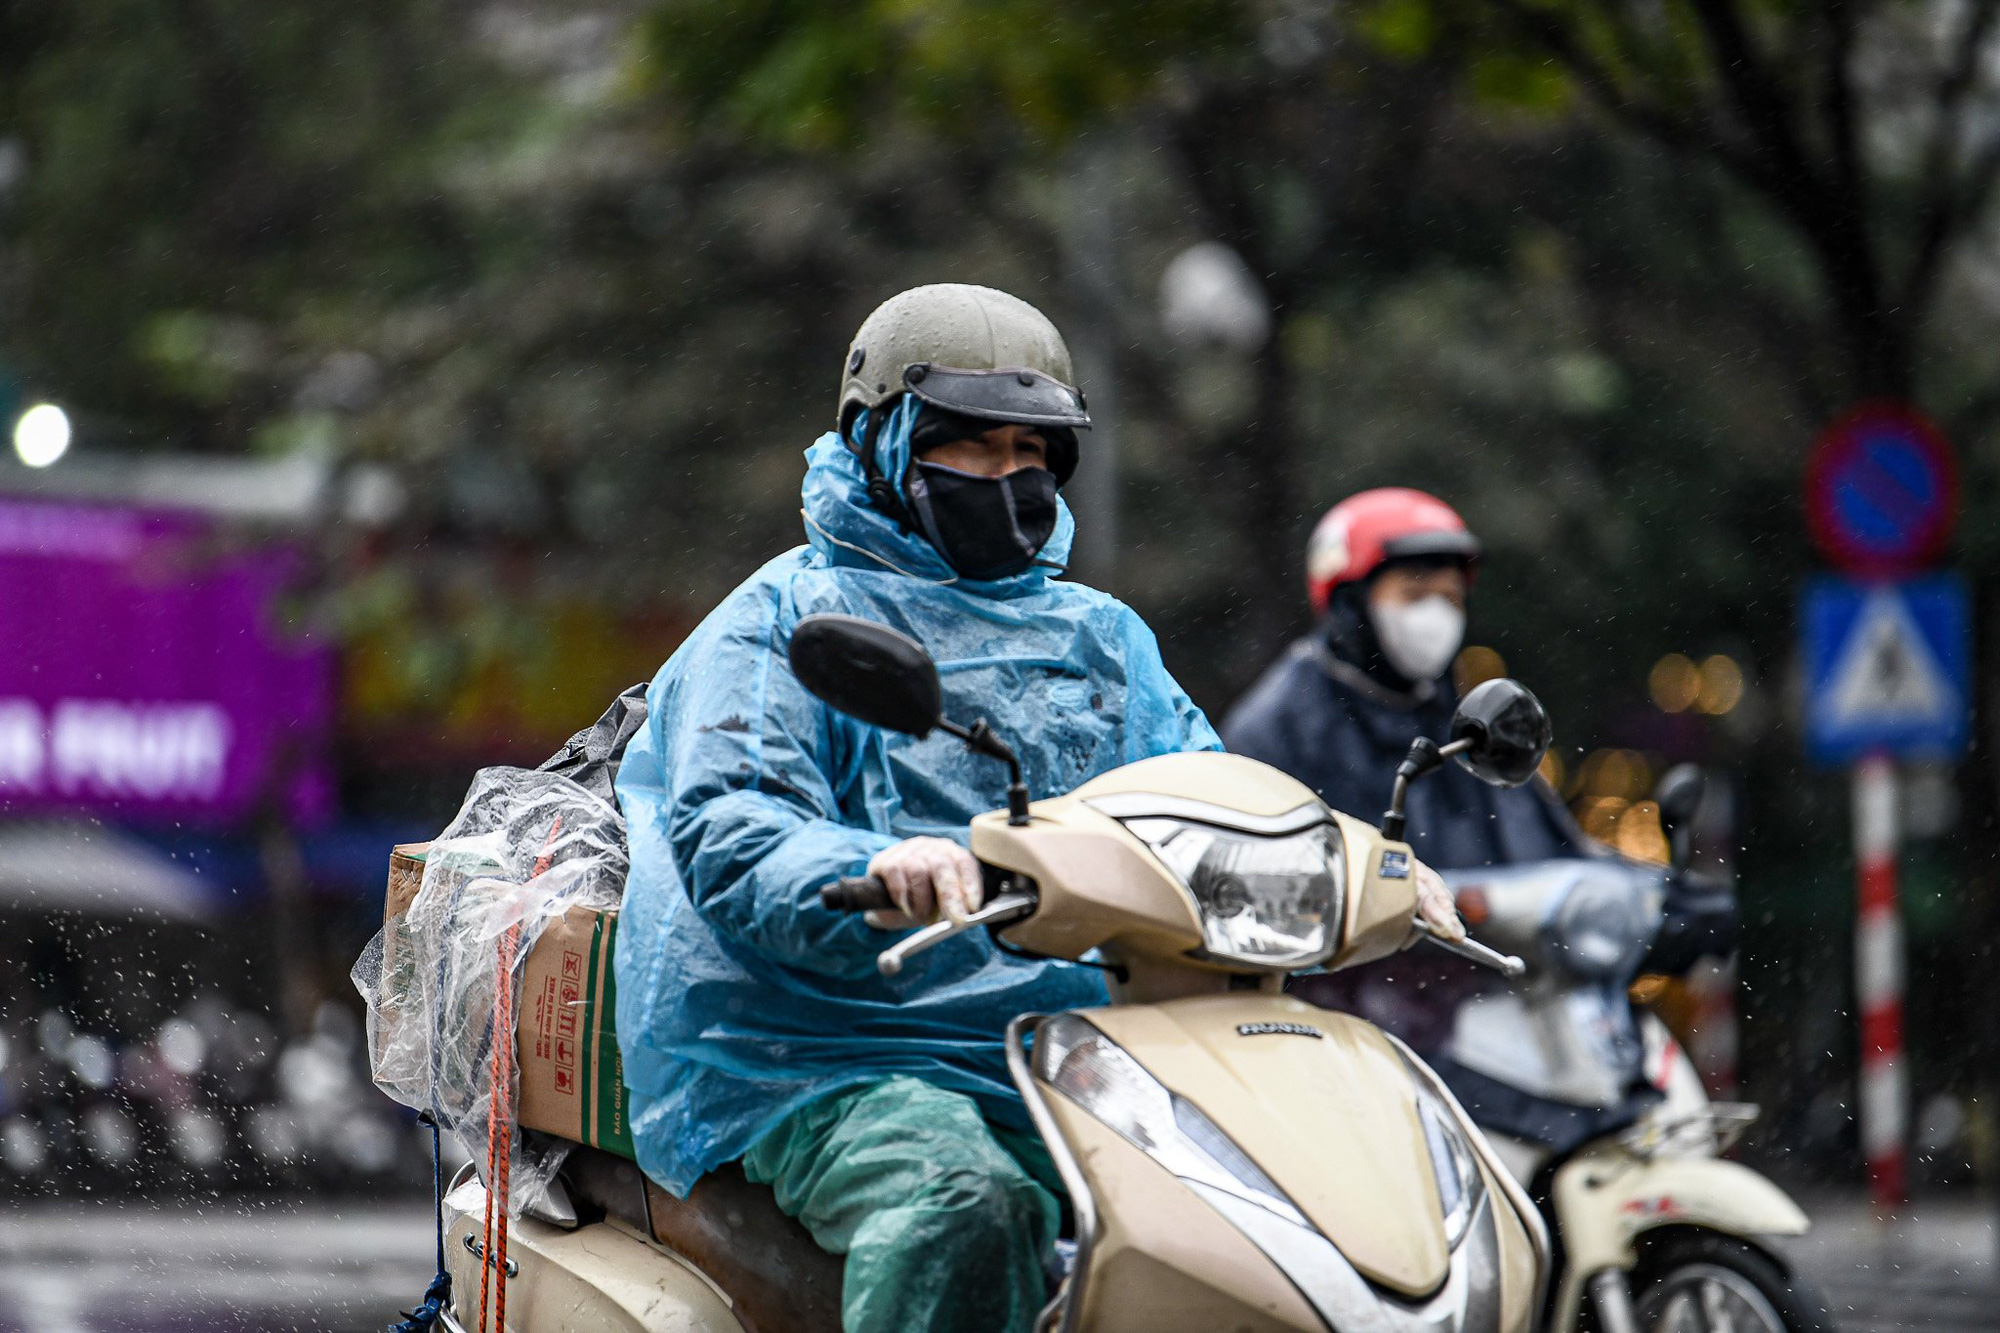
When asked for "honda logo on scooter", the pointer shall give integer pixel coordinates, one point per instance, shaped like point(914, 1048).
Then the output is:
point(1277, 1029)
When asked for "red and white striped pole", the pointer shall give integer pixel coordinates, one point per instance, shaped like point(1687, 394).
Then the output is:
point(1878, 980)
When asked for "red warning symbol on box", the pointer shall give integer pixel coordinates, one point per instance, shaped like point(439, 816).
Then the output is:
point(566, 1053)
point(572, 965)
point(566, 1022)
point(565, 1081)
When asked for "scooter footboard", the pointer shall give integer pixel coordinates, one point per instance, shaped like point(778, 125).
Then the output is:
point(598, 1277)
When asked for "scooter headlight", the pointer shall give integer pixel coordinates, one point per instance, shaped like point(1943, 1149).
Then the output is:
point(1268, 900)
point(1074, 1057)
point(1454, 1165)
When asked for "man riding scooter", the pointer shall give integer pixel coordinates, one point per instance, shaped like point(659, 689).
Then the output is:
point(753, 1021)
point(1389, 572)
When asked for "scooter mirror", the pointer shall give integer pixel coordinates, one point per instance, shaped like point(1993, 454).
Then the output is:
point(868, 671)
point(1506, 730)
point(1679, 795)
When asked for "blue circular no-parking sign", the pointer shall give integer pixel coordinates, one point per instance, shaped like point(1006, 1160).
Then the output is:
point(1882, 491)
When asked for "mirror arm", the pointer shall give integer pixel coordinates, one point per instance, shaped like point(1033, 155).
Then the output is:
point(1678, 810)
point(1426, 756)
point(980, 739)
point(1680, 846)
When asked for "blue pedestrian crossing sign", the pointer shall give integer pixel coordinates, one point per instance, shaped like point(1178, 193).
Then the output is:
point(1888, 668)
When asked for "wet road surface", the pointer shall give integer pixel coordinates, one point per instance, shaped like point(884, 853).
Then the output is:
point(1934, 1271)
point(291, 1268)
point(285, 1268)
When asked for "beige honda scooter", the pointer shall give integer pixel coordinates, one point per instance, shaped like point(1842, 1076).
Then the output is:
point(1235, 1159)
point(1588, 1100)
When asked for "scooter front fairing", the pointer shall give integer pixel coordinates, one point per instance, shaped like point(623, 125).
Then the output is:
point(1313, 1144)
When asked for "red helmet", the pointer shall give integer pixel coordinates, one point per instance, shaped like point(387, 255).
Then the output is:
point(1358, 535)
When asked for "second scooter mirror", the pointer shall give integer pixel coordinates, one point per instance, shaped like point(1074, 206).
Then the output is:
point(1508, 729)
point(868, 671)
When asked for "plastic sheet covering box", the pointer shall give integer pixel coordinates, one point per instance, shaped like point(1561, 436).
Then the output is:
point(566, 1041)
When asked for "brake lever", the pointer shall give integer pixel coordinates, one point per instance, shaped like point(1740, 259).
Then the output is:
point(1006, 907)
point(1506, 964)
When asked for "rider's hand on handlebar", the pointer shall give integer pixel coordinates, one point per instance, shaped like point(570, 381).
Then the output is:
point(927, 876)
point(1436, 906)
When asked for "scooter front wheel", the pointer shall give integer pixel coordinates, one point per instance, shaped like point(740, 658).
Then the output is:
point(1701, 1282)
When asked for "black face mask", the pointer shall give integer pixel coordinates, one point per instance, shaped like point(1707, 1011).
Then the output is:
point(984, 527)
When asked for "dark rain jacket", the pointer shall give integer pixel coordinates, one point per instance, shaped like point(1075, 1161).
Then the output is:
point(1335, 715)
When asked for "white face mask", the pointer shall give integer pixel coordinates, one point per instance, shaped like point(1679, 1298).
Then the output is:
point(1419, 638)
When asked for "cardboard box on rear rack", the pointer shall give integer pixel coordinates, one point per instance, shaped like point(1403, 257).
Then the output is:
point(565, 1039)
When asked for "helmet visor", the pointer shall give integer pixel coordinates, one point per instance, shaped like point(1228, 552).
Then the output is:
point(1436, 544)
point(1027, 397)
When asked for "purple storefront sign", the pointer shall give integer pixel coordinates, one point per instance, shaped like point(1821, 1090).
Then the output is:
point(144, 674)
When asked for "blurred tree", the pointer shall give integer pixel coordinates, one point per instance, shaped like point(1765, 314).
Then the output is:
point(1863, 127)
point(1595, 270)
point(1532, 254)
point(1300, 141)
point(1864, 133)
point(1297, 162)
point(189, 173)
point(439, 238)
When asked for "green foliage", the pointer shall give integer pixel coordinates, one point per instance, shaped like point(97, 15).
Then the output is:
point(1400, 29)
point(1523, 253)
point(801, 74)
point(195, 168)
point(1531, 54)
point(1522, 81)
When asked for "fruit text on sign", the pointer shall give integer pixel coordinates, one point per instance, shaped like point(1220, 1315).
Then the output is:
point(148, 675)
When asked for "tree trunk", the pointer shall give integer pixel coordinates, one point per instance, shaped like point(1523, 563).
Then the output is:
point(1089, 242)
point(1269, 520)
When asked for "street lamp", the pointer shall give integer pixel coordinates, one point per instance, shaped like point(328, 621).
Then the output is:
point(1209, 295)
point(41, 436)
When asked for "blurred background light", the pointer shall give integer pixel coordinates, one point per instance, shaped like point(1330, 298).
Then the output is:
point(1477, 665)
point(1632, 827)
point(1639, 835)
point(1621, 774)
point(109, 1134)
point(1675, 683)
point(182, 1046)
point(91, 1059)
point(1598, 816)
point(24, 1148)
point(1721, 685)
point(1209, 295)
point(41, 436)
point(199, 1140)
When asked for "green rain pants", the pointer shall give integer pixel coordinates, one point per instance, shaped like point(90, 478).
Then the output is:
point(947, 1221)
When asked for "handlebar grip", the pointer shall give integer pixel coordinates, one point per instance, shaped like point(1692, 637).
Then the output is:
point(857, 893)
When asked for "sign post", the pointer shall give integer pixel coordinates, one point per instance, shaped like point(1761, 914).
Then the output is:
point(1888, 671)
point(1878, 979)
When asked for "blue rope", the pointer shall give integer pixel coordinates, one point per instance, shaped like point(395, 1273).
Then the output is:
point(424, 1318)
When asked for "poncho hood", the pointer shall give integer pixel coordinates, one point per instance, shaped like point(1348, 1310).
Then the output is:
point(845, 528)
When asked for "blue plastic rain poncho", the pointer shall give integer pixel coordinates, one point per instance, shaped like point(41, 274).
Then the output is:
point(740, 998)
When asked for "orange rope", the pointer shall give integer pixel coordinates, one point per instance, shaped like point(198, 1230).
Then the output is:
point(499, 1159)
point(502, 987)
point(504, 1020)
